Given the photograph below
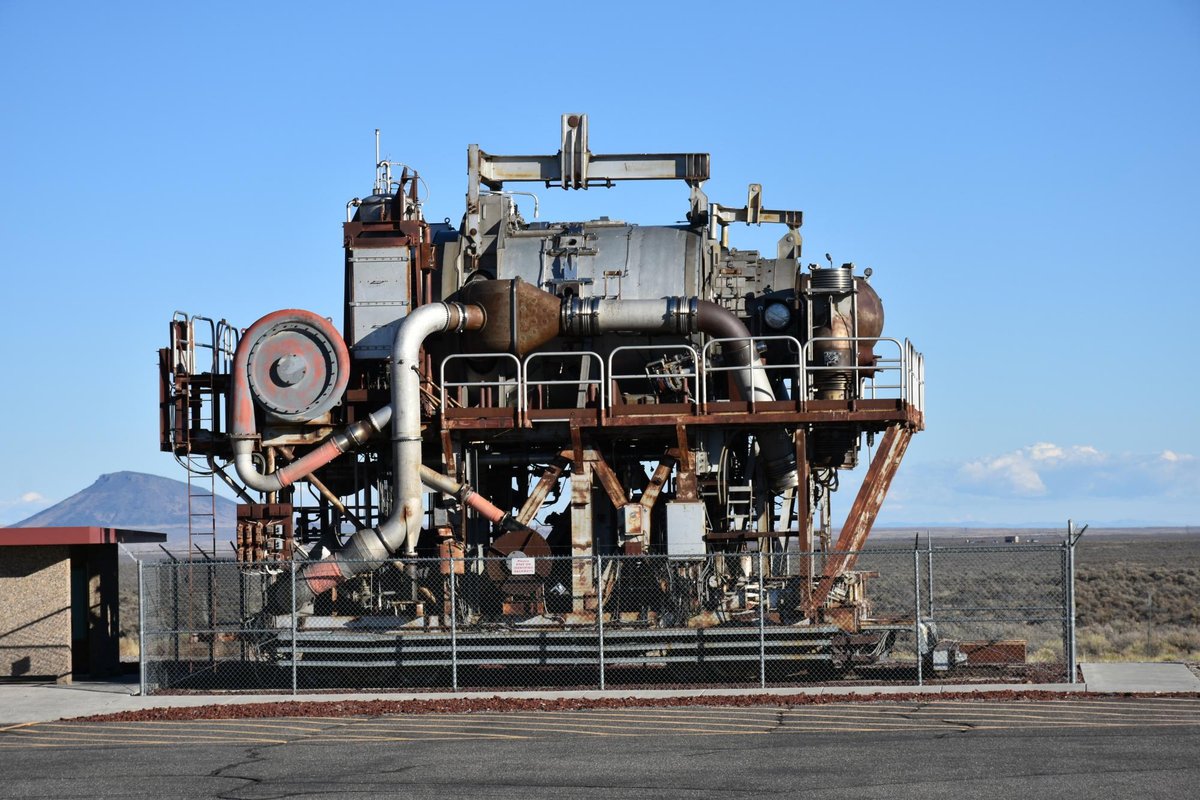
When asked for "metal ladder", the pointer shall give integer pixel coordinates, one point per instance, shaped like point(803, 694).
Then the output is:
point(204, 415)
point(739, 506)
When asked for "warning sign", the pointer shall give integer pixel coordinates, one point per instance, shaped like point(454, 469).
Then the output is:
point(521, 566)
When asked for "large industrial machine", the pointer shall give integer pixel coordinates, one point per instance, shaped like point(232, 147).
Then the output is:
point(563, 422)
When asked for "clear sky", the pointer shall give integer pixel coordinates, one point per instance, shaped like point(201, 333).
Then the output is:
point(1021, 176)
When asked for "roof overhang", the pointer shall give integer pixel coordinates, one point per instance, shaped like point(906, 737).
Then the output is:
point(82, 534)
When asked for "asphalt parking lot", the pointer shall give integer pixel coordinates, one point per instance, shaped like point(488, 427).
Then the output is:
point(1069, 748)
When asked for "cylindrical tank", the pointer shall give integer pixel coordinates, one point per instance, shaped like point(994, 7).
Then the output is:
point(841, 307)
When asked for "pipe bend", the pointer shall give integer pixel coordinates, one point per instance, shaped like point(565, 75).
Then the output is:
point(328, 449)
point(721, 323)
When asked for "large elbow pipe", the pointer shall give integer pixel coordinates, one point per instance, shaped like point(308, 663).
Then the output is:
point(775, 447)
point(400, 531)
point(403, 528)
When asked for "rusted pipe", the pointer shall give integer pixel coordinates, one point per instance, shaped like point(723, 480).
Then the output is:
point(329, 496)
point(465, 494)
point(327, 450)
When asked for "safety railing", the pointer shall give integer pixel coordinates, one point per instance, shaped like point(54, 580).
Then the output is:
point(898, 372)
point(589, 390)
point(503, 391)
point(685, 382)
point(793, 369)
point(915, 376)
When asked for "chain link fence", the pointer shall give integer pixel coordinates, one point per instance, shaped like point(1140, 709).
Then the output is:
point(897, 615)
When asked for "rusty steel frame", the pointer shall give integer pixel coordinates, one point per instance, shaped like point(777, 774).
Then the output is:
point(869, 413)
point(549, 478)
point(865, 509)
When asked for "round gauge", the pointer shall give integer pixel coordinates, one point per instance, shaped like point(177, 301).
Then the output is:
point(777, 316)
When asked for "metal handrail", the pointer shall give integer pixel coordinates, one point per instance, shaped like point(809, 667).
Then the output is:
point(909, 364)
point(801, 382)
point(901, 364)
point(498, 384)
point(599, 382)
point(695, 373)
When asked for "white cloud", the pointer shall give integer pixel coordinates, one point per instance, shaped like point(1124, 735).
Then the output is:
point(29, 498)
point(1044, 451)
point(1045, 469)
point(1047, 481)
point(1053, 454)
point(18, 507)
point(1011, 473)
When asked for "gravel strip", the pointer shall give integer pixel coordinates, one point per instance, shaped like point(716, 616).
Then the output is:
point(379, 708)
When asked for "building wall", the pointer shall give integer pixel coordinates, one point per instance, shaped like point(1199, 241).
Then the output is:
point(35, 611)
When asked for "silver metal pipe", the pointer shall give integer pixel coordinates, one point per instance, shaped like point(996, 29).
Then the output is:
point(762, 620)
point(917, 627)
point(403, 527)
point(600, 615)
point(295, 643)
point(453, 579)
point(370, 547)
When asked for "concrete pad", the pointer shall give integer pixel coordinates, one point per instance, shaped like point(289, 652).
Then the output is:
point(22, 702)
point(1139, 677)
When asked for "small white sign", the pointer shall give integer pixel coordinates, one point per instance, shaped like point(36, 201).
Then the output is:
point(521, 566)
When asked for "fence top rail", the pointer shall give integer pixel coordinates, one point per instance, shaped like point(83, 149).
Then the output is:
point(1055, 547)
point(277, 567)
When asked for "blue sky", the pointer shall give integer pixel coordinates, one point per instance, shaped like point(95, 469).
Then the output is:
point(1022, 177)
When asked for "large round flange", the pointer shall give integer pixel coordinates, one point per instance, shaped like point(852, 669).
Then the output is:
point(298, 366)
point(525, 545)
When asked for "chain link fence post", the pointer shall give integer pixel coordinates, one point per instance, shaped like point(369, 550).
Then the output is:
point(917, 611)
point(453, 627)
point(762, 622)
point(141, 630)
point(929, 574)
point(1069, 595)
point(295, 644)
point(600, 614)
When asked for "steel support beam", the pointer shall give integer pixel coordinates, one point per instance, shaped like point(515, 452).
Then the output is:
point(866, 507)
point(549, 479)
